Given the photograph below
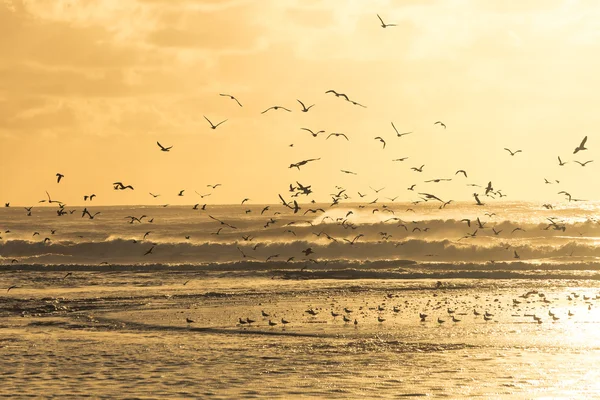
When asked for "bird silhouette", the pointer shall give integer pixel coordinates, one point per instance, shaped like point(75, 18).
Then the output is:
point(213, 126)
point(512, 153)
point(581, 146)
point(383, 24)
point(231, 97)
point(276, 108)
point(162, 148)
point(304, 108)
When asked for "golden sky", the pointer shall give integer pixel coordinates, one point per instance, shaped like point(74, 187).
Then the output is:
point(88, 87)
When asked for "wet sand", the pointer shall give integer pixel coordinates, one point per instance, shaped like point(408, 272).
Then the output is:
point(125, 334)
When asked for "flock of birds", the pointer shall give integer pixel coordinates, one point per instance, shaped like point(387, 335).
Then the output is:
point(443, 306)
point(298, 189)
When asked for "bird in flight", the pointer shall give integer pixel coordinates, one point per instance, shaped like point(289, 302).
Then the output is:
point(438, 180)
point(348, 172)
point(213, 126)
point(231, 97)
point(311, 132)
point(154, 195)
point(59, 176)
point(401, 159)
point(303, 162)
point(412, 187)
point(461, 171)
point(304, 108)
point(149, 251)
point(581, 146)
point(376, 190)
point(120, 186)
point(337, 135)
point(420, 169)
point(584, 163)
point(383, 24)
point(441, 124)
point(398, 133)
point(90, 197)
point(338, 94)
point(560, 162)
point(381, 140)
point(512, 153)
point(276, 108)
point(162, 148)
point(214, 186)
point(181, 192)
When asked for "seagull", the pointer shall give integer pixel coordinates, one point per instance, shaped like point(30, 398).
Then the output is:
point(420, 169)
point(381, 140)
point(383, 24)
point(338, 94)
point(311, 132)
point(479, 203)
point(581, 146)
point(12, 287)
point(276, 108)
point(560, 163)
point(512, 153)
point(304, 108)
point(337, 135)
point(441, 124)
point(398, 133)
point(116, 186)
point(585, 163)
point(303, 162)
point(181, 192)
point(231, 97)
point(348, 172)
point(214, 186)
point(154, 195)
point(517, 256)
point(162, 148)
point(401, 159)
point(412, 187)
point(212, 125)
point(149, 251)
point(461, 171)
point(59, 176)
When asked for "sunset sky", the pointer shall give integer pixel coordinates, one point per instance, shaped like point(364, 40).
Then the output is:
point(87, 88)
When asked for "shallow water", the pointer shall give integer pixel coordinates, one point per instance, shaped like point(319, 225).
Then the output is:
point(124, 334)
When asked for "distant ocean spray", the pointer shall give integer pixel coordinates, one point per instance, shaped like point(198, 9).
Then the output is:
point(509, 239)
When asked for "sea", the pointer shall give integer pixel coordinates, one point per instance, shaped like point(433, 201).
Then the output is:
point(258, 301)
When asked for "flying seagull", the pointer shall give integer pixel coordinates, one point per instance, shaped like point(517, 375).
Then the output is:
point(162, 148)
point(276, 108)
point(303, 162)
point(304, 108)
point(383, 24)
point(337, 135)
point(311, 132)
point(581, 146)
point(59, 176)
point(560, 162)
point(231, 97)
point(512, 153)
point(398, 133)
point(381, 140)
point(338, 94)
point(213, 126)
point(441, 124)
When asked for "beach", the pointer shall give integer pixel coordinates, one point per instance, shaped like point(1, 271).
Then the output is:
point(124, 334)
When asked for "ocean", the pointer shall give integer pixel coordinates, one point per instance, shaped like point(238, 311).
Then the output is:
point(510, 298)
